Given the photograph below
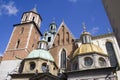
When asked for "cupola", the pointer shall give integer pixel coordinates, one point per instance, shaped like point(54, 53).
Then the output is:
point(52, 27)
point(43, 44)
point(85, 36)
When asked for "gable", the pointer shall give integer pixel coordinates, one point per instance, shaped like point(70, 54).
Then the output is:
point(62, 40)
point(63, 36)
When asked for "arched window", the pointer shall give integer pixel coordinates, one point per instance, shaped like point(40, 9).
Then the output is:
point(51, 27)
point(111, 53)
point(22, 29)
point(45, 67)
point(33, 18)
point(32, 65)
point(63, 34)
point(58, 39)
point(102, 61)
point(63, 59)
point(67, 39)
point(17, 44)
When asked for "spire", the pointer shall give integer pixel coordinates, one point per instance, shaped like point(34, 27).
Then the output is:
point(84, 27)
point(53, 20)
point(34, 9)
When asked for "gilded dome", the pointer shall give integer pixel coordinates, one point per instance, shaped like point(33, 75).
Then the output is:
point(41, 54)
point(88, 48)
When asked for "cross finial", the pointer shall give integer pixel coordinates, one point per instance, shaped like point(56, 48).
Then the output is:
point(34, 9)
point(53, 20)
point(84, 26)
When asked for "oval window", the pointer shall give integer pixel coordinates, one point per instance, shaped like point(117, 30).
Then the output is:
point(88, 61)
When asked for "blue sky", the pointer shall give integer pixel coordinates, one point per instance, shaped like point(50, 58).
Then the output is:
point(73, 12)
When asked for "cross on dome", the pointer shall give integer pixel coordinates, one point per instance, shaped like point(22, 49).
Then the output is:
point(84, 27)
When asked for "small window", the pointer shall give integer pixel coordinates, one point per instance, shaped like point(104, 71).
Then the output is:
point(88, 61)
point(32, 45)
point(49, 39)
point(67, 39)
point(102, 61)
point(26, 18)
point(17, 44)
point(54, 68)
point(63, 28)
point(32, 65)
point(22, 29)
point(33, 18)
point(51, 27)
point(45, 34)
point(72, 40)
point(53, 45)
point(45, 67)
point(58, 39)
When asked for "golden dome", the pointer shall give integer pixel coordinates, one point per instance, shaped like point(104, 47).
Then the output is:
point(87, 49)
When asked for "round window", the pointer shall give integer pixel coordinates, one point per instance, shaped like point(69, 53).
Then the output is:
point(102, 61)
point(88, 61)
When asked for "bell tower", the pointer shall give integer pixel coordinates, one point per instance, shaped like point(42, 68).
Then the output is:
point(32, 16)
point(24, 37)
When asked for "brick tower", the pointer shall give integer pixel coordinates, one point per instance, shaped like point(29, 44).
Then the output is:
point(24, 37)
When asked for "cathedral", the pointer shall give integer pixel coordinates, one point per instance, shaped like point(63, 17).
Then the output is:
point(56, 54)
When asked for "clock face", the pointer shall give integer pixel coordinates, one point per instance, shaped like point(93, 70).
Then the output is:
point(88, 61)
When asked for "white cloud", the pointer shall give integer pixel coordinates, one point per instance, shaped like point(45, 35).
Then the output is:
point(94, 30)
point(8, 8)
point(73, 1)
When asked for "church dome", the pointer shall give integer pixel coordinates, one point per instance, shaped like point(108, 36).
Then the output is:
point(41, 54)
point(87, 49)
